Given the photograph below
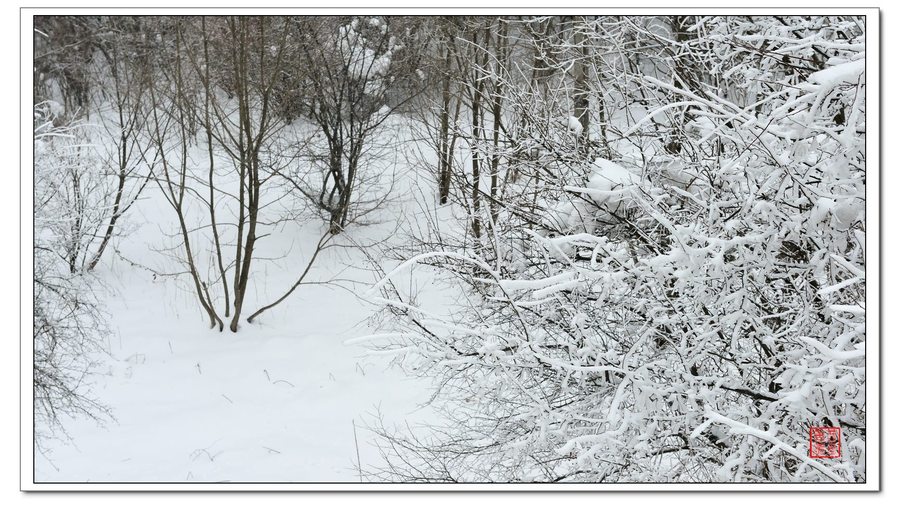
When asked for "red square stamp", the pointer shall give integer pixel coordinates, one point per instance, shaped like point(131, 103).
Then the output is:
point(824, 442)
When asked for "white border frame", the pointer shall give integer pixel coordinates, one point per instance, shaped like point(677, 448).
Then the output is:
point(873, 252)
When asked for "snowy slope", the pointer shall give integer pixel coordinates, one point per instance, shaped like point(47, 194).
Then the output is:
point(275, 402)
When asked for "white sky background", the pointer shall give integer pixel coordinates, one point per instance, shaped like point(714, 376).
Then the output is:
point(10, 317)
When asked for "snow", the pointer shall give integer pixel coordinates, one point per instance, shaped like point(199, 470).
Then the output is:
point(637, 323)
point(558, 215)
point(799, 452)
point(56, 109)
point(276, 401)
point(575, 125)
point(513, 285)
point(609, 176)
point(361, 60)
point(845, 213)
point(844, 73)
point(609, 184)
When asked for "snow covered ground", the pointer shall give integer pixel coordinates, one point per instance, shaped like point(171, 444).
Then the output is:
point(277, 401)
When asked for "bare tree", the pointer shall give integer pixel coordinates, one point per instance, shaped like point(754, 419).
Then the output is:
point(254, 66)
point(358, 63)
point(128, 73)
point(168, 130)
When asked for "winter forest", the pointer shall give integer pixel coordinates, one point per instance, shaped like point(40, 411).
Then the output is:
point(449, 249)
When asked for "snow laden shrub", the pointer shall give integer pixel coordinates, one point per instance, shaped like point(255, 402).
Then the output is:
point(69, 172)
point(688, 328)
point(69, 326)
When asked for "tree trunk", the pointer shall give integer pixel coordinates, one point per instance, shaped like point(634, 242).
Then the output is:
point(582, 87)
point(444, 155)
point(477, 119)
point(496, 112)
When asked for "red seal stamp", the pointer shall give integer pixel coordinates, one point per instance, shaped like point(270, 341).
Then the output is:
point(824, 442)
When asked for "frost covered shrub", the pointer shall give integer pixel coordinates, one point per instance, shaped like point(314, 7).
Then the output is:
point(689, 331)
point(69, 326)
